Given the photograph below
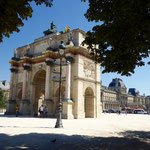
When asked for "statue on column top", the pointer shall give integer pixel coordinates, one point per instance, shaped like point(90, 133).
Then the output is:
point(53, 29)
point(15, 53)
point(70, 37)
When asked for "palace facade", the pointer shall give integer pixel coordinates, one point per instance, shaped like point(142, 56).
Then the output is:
point(32, 74)
point(115, 96)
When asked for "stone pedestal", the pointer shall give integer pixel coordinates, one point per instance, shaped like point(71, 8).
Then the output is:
point(50, 104)
point(68, 109)
point(24, 107)
point(11, 107)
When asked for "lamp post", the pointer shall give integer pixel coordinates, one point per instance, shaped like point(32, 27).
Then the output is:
point(61, 51)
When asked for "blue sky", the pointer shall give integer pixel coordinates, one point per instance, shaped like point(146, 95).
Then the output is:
point(63, 13)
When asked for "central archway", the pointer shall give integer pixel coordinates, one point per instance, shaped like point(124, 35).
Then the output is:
point(38, 90)
point(89, 103)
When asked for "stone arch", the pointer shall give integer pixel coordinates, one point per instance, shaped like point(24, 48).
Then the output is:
point(36, 72)
point(40, 74)
point(89, 103)
point(38, 90)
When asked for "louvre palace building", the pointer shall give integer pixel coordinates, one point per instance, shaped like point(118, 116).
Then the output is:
point(116, 95)
point(33, 79)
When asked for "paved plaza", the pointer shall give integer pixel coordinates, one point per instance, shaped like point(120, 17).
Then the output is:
point(109, 132)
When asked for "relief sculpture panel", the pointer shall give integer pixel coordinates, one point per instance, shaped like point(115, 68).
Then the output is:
point(89, 69)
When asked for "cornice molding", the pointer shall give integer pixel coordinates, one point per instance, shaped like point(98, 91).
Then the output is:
point(88, 80)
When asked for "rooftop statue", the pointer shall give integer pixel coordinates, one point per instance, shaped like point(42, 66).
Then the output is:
point(15, 53)
point(67, 29)
point(70, 37)
point(53, 29)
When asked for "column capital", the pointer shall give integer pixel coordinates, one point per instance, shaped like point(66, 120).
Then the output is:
point(26, 66)
point(13, 69)
point(67, 100)
point(48, 101)
point(48, 61)
point(69, 57)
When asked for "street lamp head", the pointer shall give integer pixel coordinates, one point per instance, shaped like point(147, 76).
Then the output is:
point(67, 62)
point(54, 61)
point(54, 77)
point(62, 48)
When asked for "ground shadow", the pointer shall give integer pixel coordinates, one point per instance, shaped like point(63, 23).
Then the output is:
point(141, 135)
point(131, 140)
point(21, 116)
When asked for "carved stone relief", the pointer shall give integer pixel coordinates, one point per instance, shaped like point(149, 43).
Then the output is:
point(89, 69)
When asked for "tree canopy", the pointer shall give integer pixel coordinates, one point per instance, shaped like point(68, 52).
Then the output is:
point(121, 39)
point(13, 12)
point(3, 99)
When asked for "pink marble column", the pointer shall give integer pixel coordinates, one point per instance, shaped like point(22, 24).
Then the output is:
point(47, 82)
point(13, 70)
point(68, 81)
point(24, 88)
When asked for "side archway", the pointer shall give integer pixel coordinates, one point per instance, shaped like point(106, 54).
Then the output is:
point(89, 103)
point(38, 90)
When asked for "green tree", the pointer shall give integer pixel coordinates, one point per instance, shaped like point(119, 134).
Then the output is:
point(3, 100)
point(13, 12)
point(122, 35)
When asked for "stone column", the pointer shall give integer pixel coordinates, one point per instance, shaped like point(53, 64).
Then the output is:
point(47, 81)
point(98, 102)
point(68, 82)
point(25, 102)
point(67, 102)
point(24, 88)
point(48, 101)
point(69, 59)
point(13, 70)
point(11, 106)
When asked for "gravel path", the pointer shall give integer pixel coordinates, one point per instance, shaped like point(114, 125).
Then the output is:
point(110, 132)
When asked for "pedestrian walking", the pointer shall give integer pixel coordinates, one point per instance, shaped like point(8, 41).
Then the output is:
point(17, 110)
point(41, 109)
point(45, 111)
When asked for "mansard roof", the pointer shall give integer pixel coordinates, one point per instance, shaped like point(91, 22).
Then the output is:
point(117, 82)
point(133, 91)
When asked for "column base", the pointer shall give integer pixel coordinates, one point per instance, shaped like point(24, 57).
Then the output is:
point(24, 107)
point(68, 116)
point(49, 103)
point(11, 107)
point(67, 100)
point(79, 116)
point(68, 109)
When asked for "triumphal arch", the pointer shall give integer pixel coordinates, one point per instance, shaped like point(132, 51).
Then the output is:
point(32, 74)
